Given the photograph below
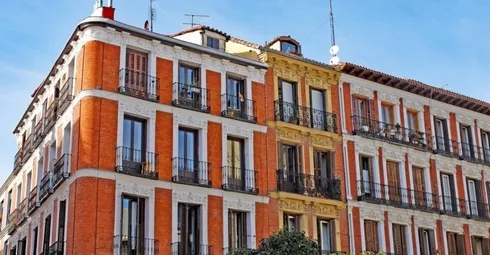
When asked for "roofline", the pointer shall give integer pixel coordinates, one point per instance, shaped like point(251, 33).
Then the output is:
point(300, 58)
point(94, 21)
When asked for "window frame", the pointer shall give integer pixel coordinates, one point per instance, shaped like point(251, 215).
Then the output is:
point(213, 41)
point(288, 44)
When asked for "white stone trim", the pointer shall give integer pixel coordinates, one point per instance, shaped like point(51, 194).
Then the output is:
point(447, 166)
point(413, 105)
point(465, 120)
point(141, 112)
point(192, 198)
point(483, 125)
point(248, 137)
point(440, 113)
point(422, 221)
point(452, 225)
point(361, 91)
point(385, 97)
point(418, 159)
point(472, 172)
point(371, 214)
point(477, 229)
point(244, 206)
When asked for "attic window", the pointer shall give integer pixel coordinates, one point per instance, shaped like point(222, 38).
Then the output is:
point(289, 47)
point(213, 43)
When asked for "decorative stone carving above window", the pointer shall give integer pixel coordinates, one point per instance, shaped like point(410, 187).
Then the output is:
point(465, 120)
point(393, 155)
point(234, 130)
point(478, 230)
point(372, 214)
point(445, 166)
point(423, 221)
point(292, 205)
point(483, 125)
point(452, 226)
point(440, 113)
point(419, 160)
point(288, 134)
point(472, 172)
point(409, 104)
point(135, 189)
point(190, 121)
point(367, 149)
point(189, 197)
point(325, 210)
point(362, 91)
point(321, 141)
point(388, 98)
point(403, 219)
point(239, 204)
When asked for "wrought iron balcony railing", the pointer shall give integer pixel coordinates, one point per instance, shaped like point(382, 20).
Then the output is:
point(326, 252)
point(139, 85)
point(38, 133)
point(305, 116)
point(32, 203)
point(46, 187)
point(137, 162)
point(478, 210)
point(470, 152)
point(27, 149)
point(239, 179)
point(392, 133)
point(18, 161)
point(445, 146)
point(453, 206)
point(193, 172)
point(50, 117)
point(191, 97)
point(183, 248)
point(132, 245)
point(57, 248)
point(382, 194)
point(22, 210)
point(60, 170)
point(310, 185)
point(238, 107)
point(486, 155)
point(66, 96)
point(12, 221)
point(425, 201)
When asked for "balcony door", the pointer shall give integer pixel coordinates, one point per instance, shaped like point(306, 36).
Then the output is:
point(326, 234)
point(421, 198)
point(288, 100)
point(442, 135)
point(237, 229)
point(368, 187)
point(235, 159)
point(455, 244)
point(394, 187)
point(188, 163)
point(485, 144)
point(363, 111)
point(291, 222)
point(323, 167)
point(290, 162)
point(189, 92)
point(318, 106)
point(235, 96)
point(448, 193)
point(189, 224)
point(136, 71)
point(474, 197)
point(466, 141)
point(132, 225)
point(480, 245)
point(427, 242)
point(399, 239)
point(371, 236)
point(134, 144)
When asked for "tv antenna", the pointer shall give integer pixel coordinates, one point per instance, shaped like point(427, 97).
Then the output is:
point(192, 19)
point(334, 49)
point(151, 13)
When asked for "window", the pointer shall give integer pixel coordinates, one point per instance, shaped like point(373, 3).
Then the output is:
point(235, 94)
point(290, 157)
point(442, 135)
point(318, 106)
point(132, 224)
point(189, 228)
point(22, 246)
point(212, 42)
point(47, 234)
point(480, 245)
point(288, 100)
point(455, 244)
point(189, 75)
point(6, 248)
point(427, 242)
point(326, 234)
point(394, 189)
point(291, 221)
point(52, 156)
point(474, 197)
point(387, 115)
point(323, 164)
point(485, 143)
point(1, 215)
point(136, 70)
point(9, 204)
point(399, 239)
point(289, 47)
point(466, 141)
point(19, 194)
point(371, 235)
point(412, 120)
point(419, 186)
point(237, 229)
point(28, 184)
point(368, 185)
point(61, 225)
point(188, 163)
point(134, 143)
point(235, 160)
point(34, 241)
point(448, 193)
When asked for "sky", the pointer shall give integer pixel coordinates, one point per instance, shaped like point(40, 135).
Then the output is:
point(441, 43)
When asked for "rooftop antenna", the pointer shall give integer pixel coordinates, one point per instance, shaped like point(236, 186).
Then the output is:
point(151, 14)
point(192, 19)
point(334, 49)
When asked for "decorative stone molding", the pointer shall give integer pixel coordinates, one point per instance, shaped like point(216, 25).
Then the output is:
point(478, 230)
point(367, 149)
point(321, 83)
point(292, 205)
point(325, 210)
point(362, 91)
point(238, 131)
point(440, 113)
point(403, 219)
point(322, 141)
point(189, 197)
point(372, 214)
point(452, 226)
point(465, 120)
point(393, 155)
point(190, 121)
point(413, 105)
point(445, 166)
point(288, 134)
point(483, 125)
point(486, 175)
point(135, 189)
point(64, 195)
point(418, 160)
point(288, 74)
point(239, 204)
point(472, 172)
point(388, 98)
point(137, 110)
point(423, 221)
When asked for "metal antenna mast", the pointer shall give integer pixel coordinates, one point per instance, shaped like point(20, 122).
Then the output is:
point(152, 14)
point(192, 19)
point(332, 26)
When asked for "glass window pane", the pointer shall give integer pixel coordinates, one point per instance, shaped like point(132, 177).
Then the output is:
point(181, 144)
point(127, 133)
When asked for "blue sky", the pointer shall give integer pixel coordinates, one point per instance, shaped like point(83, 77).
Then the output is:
point(437, 42)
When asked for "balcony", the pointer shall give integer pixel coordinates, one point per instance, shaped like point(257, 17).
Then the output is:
point(305, 116)
point(137, 163)
point(388, 132)
point(182, 248)
point(139, 85)
point(13, 221)
point(38, 133)
point(238, 107)
point(66, 96)
point(478, 210)
point(27, 149)
point(191, 97)
point(132, 245)
point(22, 211)
point(325, 252)
point(57, 248)
point(453, 206)
point(445, 146)
point(50, 116)
point(425, 201)
point(18, 161)
point(192, 172)
point(32, 203)
point(61, 170)
point(228, 251)
point(46, 187)
point(309, 185)
point(240, 180)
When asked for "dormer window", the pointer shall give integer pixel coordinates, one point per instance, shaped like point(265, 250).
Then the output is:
point(289, 47)
point(213, 42)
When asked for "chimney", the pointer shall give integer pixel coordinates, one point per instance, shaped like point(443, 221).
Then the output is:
point(103, 11)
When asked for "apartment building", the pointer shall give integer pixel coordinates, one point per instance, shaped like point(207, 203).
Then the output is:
point(417, 159)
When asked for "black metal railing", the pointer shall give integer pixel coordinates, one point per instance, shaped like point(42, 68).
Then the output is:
point(445, 146)
point(191, 97)
point(486, 155)
point(132, 245)
point(46, 187)
point(137, 162)
point(310, 185)
point(65, 96)
point(478, 210)
point(32, 202)
point(18, 160)
point(183, 248)
point(188, 171)
point(239, 179)
point(327, 252)
point(12, 221)
point(389, 132)
point(305, 116)
point(22, 210)
point(38, 133)
point(471, 152)
point(50, 116)
point(139, 85)
point(382, 194)
point(27, 149)
point(60, 170)
point(57, 248)
point(425, 201)
point(238, 107)
point(453, 206)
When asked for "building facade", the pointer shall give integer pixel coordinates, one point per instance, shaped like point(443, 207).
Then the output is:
point(418, 176)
